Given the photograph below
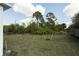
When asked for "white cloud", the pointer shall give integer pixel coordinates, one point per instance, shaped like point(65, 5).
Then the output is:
point(40, 8)
point(28, 9)
point(71, 9)
point(68, 23)
point(26, 21)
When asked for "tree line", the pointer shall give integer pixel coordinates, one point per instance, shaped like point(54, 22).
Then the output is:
point(74, 25)
point(39, 27)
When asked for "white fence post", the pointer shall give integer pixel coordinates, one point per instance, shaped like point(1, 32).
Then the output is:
point(1, 30)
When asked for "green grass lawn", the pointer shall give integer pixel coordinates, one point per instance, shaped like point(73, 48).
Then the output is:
point(37, 45)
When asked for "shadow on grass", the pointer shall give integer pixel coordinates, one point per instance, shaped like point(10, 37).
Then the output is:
point(74, 38)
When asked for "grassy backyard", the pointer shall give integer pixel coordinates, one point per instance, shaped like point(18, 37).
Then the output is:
point(37, 45)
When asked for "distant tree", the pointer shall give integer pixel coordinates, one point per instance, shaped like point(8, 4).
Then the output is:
point(32, 28)
point(39, 17)
point(63, 26)
point(51, 20)
point(75, 20)
point(60, 27)
point(74, 25)
point(21, 29)
point(23, 24)
point(52, 16)
point(14, 28)
point(9, 28)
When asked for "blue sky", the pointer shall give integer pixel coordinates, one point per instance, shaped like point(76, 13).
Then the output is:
point(57, 8)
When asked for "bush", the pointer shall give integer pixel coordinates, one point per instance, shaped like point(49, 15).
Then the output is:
point(31, 28)
point(40, 31)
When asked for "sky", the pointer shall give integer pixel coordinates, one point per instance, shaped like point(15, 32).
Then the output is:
point(23, 12)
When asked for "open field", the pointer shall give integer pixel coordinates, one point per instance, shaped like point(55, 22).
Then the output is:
point(37, 45)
